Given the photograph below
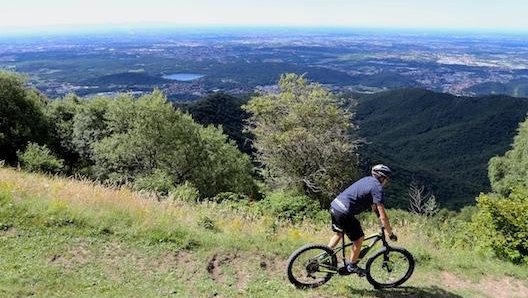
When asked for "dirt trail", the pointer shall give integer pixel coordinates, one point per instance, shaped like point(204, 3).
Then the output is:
point(497, 288)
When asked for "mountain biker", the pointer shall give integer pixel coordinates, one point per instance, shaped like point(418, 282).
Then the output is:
point(363, 194)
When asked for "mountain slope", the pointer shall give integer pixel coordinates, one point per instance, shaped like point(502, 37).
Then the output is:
point(441, 140)
point(518, 88)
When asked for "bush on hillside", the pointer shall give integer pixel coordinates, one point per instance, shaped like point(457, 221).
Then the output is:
point(158, 181)
point(511, 170)
point(186, 192)
point(228, 197)
point(501, 225)
point(39, 158)
point(285, 206)
point(421, 203)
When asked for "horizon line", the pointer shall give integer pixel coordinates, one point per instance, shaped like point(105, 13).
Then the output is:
point(86, 28)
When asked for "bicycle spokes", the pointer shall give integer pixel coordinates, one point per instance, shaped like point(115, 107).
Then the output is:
point(391, 265)
point(388, 265)
point(390, 268)
point(311, 266)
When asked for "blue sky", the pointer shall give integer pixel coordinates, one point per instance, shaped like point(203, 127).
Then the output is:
point(496, 15)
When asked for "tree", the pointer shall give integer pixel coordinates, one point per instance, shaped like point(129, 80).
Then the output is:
point(60, 113)
point(76, 125)
point(420, 203)
point(147, 138)
point(511, 170)
point(302, 138)
point(89, 125)
point(500, 222)
point(22, 118)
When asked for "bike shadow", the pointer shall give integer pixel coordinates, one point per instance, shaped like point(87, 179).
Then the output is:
point(407, 292)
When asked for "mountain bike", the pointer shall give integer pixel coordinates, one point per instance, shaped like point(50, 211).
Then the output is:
point(313, 265)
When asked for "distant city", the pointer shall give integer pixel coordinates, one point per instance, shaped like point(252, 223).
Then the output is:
point(189, 63)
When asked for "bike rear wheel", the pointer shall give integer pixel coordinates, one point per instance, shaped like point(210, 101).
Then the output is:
point(311, 265)
point(389, 267)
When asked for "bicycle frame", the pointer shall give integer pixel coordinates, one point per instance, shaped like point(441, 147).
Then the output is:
point(365, 248)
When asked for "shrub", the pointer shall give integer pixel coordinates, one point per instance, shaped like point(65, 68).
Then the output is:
point(420, 203)
point(501, 225)
point(286, 206)
point(186, 192)
point(39, 158)
point(511, 170)
point(228, 197)
point(207, 223)
point(158, 181)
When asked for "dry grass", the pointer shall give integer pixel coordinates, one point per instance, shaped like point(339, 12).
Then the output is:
point(87, 199)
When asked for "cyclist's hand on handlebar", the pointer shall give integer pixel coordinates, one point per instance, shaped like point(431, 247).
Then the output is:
point(393, 237)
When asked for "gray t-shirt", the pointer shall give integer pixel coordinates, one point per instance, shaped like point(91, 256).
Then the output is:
point(359, 196)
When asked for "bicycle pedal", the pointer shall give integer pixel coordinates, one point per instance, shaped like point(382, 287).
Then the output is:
point(343, 271)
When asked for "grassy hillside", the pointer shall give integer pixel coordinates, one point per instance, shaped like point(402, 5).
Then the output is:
point(67, 238)
point(442, 140)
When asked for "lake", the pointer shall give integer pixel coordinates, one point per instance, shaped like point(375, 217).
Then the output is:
point(183, 76)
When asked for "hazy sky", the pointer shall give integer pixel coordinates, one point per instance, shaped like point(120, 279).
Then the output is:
point(497, 15)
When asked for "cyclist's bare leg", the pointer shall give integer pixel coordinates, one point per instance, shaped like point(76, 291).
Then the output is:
point(335, 239)
point(356, 248)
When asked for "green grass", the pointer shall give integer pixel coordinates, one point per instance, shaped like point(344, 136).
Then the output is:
point(67, 238)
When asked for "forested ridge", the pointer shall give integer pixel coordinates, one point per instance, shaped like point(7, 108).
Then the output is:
point(443, 141)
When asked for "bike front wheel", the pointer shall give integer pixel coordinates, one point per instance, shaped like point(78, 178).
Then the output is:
point(389, 267)
point(311, 266)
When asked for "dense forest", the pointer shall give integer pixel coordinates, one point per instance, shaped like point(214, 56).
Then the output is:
point(440, 140)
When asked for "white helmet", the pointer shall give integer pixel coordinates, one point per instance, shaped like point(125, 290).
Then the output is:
point(381, 171)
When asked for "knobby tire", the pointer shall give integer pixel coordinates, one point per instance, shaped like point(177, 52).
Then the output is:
point(311, 265)
point(389, 267)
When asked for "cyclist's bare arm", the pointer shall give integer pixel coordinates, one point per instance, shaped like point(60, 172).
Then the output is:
point(380, 211)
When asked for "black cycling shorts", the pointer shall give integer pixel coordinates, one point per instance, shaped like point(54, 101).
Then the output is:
point(347, 224)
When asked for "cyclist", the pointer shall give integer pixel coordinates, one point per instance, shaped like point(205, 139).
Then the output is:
point(363, 194)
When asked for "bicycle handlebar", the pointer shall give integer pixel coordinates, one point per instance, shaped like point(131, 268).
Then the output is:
point(392, 237)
